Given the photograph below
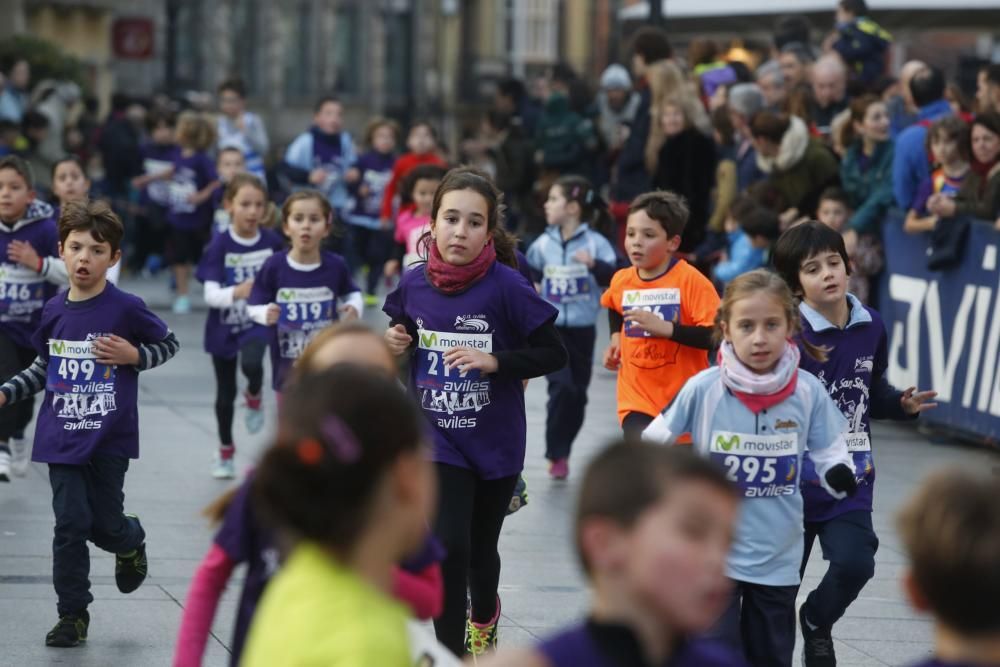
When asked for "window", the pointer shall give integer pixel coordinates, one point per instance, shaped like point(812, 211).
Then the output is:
point(535, 27)
point(398, 57)
point(347, 56)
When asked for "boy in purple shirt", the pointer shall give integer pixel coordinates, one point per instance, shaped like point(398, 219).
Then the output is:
point(30, 269)
point(92, 342)
point(951, 531)
point(813, 260)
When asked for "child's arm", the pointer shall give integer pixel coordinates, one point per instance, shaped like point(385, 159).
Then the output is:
point(543, 354)
point(265, 313)
point(915, 223)
point(203, 195)
point(199, 608)
point(27, 383)
point(51, 267)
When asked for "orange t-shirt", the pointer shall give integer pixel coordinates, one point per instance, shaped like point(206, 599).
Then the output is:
point(653, 369)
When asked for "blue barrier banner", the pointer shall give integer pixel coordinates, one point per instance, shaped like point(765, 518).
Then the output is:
point(944, 326)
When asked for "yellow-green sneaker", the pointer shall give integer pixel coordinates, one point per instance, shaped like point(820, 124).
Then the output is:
point(481, 637)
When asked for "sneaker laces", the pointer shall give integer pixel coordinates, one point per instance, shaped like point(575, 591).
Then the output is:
point(821, 647)
point(479, 637)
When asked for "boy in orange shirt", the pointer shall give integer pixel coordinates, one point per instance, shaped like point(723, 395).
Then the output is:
point(661, 309)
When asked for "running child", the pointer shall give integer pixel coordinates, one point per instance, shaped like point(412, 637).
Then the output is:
point(422, 144)
point(241, 129)
point(661, 311)
point(473, 330)
point(30, 270)
point(158, 155)
point(227, 270)
point(574, 260)
point(242, 539)
point(414, 219)
point(348, 486)
point(755, 414)
point(193, 180)
point(92, 342)
point(70, 183)
point(951, 532)
point(369, 243)
point(653, 526)
point(812, 259)
point(228, 163)
point(300, 291)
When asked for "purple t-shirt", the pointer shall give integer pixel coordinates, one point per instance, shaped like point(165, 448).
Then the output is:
point(229, 260)
point(156, 159)
point(308, 301)
point(192, 174)
point(245, 540)
point(478, 420)
point(599, 645)
point(23, 292)
point(376, 170)
point(89, 405)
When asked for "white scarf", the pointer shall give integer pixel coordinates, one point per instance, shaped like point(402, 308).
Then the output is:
point(739, 378)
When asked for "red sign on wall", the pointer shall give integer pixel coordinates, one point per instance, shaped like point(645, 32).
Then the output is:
point(132, 38)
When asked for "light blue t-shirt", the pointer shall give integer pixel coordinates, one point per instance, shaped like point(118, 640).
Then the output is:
point(762, 455)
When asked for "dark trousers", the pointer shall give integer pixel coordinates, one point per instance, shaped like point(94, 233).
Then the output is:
point(568, 392)
point(88, 502)
point(14, 418)
point(849, 544)
point(470, 515)
point(760, 621)
point(251, 362)
point(367, 246)
point(634, 424)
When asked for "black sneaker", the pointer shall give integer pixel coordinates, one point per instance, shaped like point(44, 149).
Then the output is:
point(130, 569)
point(520, 496)
point(817, 644)
point(71, 630)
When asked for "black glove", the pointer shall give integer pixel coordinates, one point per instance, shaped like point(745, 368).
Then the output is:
point(841, 479)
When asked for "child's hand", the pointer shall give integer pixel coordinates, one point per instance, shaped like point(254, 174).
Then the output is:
point(398, 340)
point(3, 399)
point(391, 268)
point(584, 258)
point(914, 402)
point(348, 312)
point(467, 359)
point(116, 351)
point(242, 291)
point(613, 355)
point(649, 322)
point(352, 175)
point(273, 313)
point(317, 176)
point(23, 253)
point(193, 198)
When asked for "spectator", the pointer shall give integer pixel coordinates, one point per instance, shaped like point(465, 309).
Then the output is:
point(667, 81)
point(948, 140)
point(710, 71)
point(983, 201)
point(120, 151)
point(798, 167)
point(54, 99)
point(992, 93)
point(910, 165)
point(795, 28)
point(751, 229)
point(861, 42)
point(771, 81)
point(829, 94)
point(511, 152)
point(983, 88)
point(686, 164)
point(565, 141)
point(35, 130)
point(745, 101)
point(513, 100)
point(616, 106)
point(242, 129)
point(725, 176)
point(903, 110)
point(14, 97)
point(864, 250)
point(866, 171)
point(796, 62)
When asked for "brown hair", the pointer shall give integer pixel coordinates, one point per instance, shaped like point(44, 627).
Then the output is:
point(67, 159)
point(305, 195)
point(954, 128)
point(339, 433)
point(627, 478)
point(306, 361)
point(770, 126)
point(667, 82)
point(92, 216)
point(858, 108)
point(240, 180)
point(667, 208)
point(378, 122)
point(762, 280)
point(19, 166)
point(469, 178)
point(593, 209)
point(195, 131)
point(951, 531)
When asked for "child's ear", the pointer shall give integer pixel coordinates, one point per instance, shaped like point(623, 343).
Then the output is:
point(673, 243)
point(913, 593)
point(61, 250)
point(115, 257)
point(604, 543)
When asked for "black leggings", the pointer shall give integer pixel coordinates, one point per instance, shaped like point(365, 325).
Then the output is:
point(634, 424)
point(251, 361)
point(470, 516)
point(14, 418)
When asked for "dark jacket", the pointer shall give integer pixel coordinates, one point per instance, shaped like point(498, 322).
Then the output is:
point(870, 190)
point(631, 178)
point(862, 44)
point(686, 165)
point(801, 171)
point(565, 138)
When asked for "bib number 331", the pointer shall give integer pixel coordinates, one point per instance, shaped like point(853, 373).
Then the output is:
point(762, 466)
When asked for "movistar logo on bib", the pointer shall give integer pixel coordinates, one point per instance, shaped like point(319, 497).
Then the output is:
point(255, 258)
point(304, 294)
point(858, 442)
point(666, 296)
point(743, 444)
point(441, 341)
point(71, 349)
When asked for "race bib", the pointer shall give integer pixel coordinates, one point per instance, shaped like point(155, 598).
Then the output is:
point(180, 194)
point(22, 292)
point(431, 370)
point(566, 284)
point(158, 191)
point(860, 447)
point(305, 308)
point(243, 266)
point(664, 302)
point(74, 369)
point(762, 466)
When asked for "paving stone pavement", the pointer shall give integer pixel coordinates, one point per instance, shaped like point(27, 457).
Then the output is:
point(541, 585)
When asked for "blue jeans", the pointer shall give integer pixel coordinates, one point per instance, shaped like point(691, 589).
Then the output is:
point(88, 502)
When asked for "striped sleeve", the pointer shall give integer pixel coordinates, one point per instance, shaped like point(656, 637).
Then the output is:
point(156, 354)
point(28, 382)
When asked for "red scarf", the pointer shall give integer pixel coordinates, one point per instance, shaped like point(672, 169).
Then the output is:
point(759, 402)
point(450, 278)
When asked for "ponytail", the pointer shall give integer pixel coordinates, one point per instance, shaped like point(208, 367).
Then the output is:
point(593, 209)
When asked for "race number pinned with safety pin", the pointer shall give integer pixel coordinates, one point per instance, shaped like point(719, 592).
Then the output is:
point(74, 369)
point(305, 308)
point(664, 302)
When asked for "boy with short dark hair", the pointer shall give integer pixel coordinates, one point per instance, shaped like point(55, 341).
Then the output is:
point(92, 341)
point(812, 259)
point(951, 532)
point(30, 270)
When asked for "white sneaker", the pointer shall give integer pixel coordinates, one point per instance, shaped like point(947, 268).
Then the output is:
point(223, 468)
point(254, 417)
point(4, 467)
point(182, 305)
point(20, 456)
